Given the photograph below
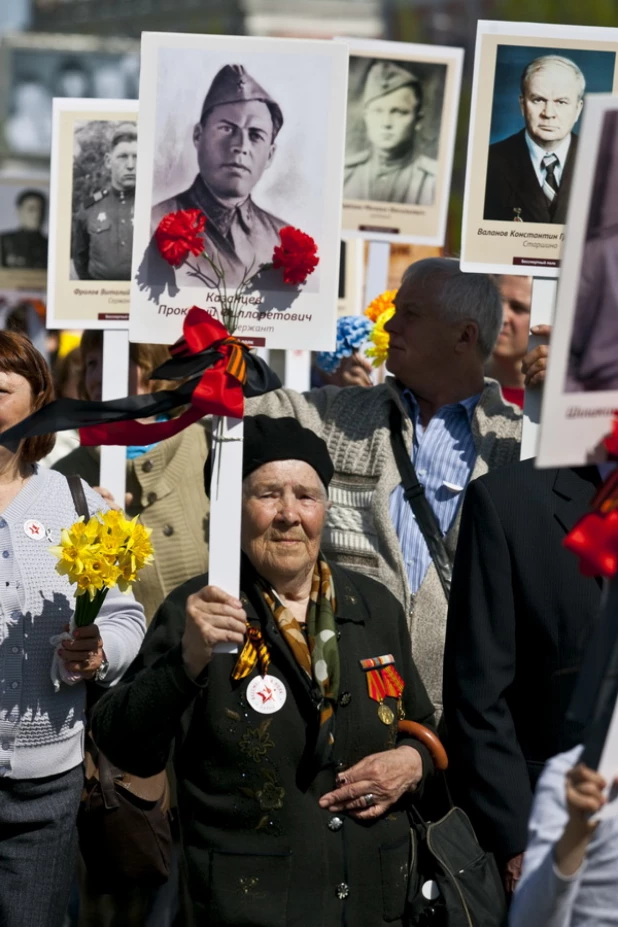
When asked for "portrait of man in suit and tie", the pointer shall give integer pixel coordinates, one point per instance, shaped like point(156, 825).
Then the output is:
point(529, 173)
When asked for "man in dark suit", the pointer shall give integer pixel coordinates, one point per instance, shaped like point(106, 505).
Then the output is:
point(235, 144)
point(529, 174)
point(519, 620)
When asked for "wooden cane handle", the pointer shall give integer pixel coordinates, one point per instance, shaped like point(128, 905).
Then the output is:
point(429, 739)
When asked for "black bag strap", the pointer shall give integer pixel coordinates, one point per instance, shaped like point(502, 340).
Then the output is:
point(414, 494)
point(79, 496)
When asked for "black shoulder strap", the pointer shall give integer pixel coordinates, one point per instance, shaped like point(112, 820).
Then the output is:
point(415, 496)
point(79, 496)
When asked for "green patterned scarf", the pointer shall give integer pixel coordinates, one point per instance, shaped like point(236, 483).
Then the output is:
point(319, 659)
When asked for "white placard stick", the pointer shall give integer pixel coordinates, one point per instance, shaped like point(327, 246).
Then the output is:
point(298, 370)
point(541, 313)
point(377, 269)
point(356, 250)
point(225, 509)
point(115, 384)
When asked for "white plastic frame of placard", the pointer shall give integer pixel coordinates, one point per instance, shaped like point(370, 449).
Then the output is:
point(298, 370)
point(115, 385)
point(378, 260)
point(541, 313)
point(226, 509)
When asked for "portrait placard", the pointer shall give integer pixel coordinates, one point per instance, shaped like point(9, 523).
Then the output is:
point(250, 132)
point(93, 171)
point(35, 68)
point(581, 389)
point(530, 82)
point(24, 201)
point(402, 110)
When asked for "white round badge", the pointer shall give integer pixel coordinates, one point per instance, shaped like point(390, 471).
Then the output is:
point(34, 529)
point(266, 694)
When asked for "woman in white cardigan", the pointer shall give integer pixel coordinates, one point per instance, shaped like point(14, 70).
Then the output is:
point(41, 730)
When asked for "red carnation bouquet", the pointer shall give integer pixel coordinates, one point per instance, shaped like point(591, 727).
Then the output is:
point(181, 235)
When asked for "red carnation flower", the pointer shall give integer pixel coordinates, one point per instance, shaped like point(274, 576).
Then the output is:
point(179, 234)
point(297, 255)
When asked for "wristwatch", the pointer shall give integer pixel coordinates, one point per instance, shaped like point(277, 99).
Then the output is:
point(101, 673)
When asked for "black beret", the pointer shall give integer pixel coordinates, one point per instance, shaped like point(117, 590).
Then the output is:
point(268, 439)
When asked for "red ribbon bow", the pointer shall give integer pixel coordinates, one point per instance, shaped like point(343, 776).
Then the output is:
point(219, 392)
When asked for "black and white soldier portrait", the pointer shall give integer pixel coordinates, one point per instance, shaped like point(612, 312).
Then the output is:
point(235, 141)
point(248, 134)
point(388, 159)
point(24, 247)
point(102, 233)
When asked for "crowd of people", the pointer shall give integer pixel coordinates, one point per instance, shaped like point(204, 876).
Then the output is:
point(371, 634)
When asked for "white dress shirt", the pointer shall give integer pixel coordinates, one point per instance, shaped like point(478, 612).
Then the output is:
point(537, 154)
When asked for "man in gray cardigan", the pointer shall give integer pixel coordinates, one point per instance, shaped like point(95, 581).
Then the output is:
point(456, 426)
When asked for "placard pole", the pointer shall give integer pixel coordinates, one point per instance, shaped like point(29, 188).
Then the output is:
point(114, 385)
point(377, 269)
point(298, 370)
point(357, 258)
point(541, 313)
point(226, 509)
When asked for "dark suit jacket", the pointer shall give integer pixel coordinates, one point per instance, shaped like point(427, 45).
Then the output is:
point(519, 620)
point(259, 849)
point(512, 183)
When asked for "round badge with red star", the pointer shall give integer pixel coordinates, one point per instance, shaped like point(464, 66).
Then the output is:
point(34, 529)
point(266, 694)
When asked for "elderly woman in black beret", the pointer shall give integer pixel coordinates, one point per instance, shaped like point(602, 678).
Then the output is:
point(293, 776)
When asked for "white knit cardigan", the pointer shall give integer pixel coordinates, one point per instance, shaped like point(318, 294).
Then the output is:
point(41, 731)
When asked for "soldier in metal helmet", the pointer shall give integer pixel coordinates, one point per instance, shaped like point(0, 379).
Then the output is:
point(390, 170)
point(235, 144)
point(25, 248)
point(103, 229)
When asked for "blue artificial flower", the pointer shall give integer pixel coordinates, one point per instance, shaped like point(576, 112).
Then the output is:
point(352, 332)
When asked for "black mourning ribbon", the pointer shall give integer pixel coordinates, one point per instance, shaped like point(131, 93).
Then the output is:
point(66, 414)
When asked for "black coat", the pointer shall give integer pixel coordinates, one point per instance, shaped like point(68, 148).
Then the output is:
point(519, 620)
point(512, 183)
point(259, 849)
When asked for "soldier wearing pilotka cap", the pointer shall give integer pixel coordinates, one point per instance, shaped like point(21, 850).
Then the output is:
point(102, 237)
point(389, 170)
point(235, 144)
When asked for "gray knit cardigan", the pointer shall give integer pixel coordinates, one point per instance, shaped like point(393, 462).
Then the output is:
point(41, 731)
point(359, 533)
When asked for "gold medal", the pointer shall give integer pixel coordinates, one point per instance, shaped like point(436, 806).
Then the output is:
point(385, 714)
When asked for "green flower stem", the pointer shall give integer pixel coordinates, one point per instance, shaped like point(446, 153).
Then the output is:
point(87, 609)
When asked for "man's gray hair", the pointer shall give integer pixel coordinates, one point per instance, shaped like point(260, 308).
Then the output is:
point(539, 64)
point(462, 297)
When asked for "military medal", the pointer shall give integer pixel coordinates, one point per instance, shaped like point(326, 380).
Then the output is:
point(517, 217)
point(385, 714)
point(384, 681)
point(266, 694)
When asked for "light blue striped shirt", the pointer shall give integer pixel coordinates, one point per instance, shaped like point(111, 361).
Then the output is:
point(443, 454)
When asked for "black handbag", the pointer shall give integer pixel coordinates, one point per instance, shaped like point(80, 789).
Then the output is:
point(453, 882)
point(123, 822)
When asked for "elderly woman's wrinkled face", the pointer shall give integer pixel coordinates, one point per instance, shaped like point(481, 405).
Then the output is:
point(284, 508)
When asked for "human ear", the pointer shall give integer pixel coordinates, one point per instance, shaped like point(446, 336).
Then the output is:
point(197, 133)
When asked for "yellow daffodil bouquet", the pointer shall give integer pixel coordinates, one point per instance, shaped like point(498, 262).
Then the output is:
point(108, 550)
